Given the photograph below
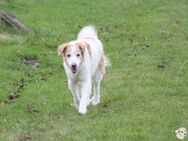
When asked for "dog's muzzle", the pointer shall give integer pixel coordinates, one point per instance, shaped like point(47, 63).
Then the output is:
point(74, 68)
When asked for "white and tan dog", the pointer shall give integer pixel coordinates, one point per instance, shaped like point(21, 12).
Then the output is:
point(84, 63)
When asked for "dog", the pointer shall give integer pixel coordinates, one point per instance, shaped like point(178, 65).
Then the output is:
point(84, 64)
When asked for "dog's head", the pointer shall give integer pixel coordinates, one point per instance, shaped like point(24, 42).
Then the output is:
point(73, 54)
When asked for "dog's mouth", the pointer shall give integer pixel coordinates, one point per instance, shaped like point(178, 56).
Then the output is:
point(74, 70)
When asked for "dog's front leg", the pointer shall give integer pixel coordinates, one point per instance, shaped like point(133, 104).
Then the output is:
point(85, 90)
point(73, 86)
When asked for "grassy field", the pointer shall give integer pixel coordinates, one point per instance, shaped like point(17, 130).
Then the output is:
point(144, 93)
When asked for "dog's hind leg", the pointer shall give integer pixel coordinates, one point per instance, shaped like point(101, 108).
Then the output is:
point(97, 81)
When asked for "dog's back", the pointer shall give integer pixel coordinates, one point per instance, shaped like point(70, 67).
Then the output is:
point(88, 34)
point(98, 58)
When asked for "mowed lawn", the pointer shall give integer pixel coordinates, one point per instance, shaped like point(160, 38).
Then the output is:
point(144, 93)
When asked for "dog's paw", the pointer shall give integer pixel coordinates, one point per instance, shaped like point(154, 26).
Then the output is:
point(82, 111)
point(95, 101)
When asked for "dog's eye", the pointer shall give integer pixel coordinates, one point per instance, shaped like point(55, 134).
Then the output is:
point(68, 55)
point(78, 55)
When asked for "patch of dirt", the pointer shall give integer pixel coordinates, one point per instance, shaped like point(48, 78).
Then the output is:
point(11, 98)
point(15, 95)
point(31, 109)
point(30, 61)
point(24, 137)
point(56, 118)
point(46, 118)
point(21, 84)
point(104, 30)
point(5, 37)
point(2, 3)
point(162, 66)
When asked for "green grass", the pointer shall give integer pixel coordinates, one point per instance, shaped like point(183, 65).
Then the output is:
point(144, 93)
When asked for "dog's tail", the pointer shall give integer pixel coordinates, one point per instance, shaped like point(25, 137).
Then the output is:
point(88, 32)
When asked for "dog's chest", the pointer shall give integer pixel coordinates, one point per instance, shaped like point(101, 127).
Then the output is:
point(79, 76)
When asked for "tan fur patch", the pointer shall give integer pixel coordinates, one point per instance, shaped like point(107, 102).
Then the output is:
point(79, 50)
point(102, 66)
point(88, 48)
point(62, 48)
point(83, 46)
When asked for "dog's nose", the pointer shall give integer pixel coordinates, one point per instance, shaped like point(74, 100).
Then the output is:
point(73, 66)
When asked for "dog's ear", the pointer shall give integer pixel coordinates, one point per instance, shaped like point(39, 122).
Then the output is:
point(62, 48)
point(88, 48)
point(83, 46)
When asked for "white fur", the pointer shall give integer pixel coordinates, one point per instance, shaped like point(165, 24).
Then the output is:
point(88, 74)
point(88, 31)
